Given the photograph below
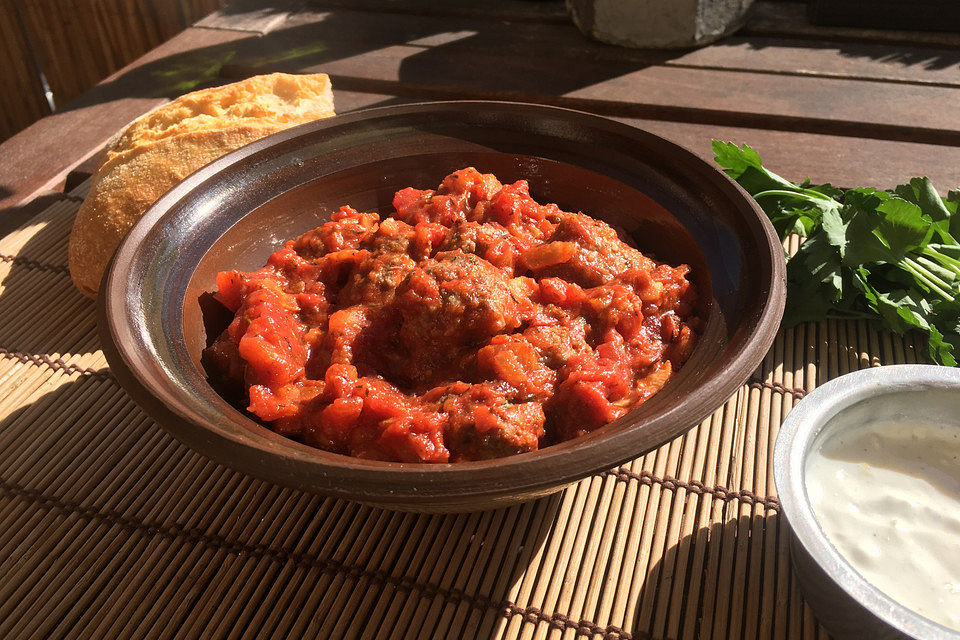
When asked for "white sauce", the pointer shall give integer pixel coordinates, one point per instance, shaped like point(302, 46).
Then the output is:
point(887, 495)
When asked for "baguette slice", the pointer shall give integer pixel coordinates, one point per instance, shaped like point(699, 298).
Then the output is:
point(161, 148)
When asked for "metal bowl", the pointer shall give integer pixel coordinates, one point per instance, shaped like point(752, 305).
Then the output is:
point(234, 212)
point(845, 603)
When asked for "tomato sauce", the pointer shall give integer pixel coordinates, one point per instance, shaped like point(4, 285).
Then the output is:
point(472, 323)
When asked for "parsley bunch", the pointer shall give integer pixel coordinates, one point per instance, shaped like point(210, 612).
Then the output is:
point(891, 256)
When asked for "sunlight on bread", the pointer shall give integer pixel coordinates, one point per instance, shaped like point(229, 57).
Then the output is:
point(161, 148)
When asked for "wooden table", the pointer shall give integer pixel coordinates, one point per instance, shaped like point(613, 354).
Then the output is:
point(854, 107)
point(845, 105)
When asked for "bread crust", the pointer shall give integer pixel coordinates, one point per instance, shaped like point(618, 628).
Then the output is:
point(164, 146)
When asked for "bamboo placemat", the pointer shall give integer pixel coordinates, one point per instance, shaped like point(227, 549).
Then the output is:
point(110, 528)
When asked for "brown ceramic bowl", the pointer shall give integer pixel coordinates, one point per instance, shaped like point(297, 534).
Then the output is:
point(235, 211)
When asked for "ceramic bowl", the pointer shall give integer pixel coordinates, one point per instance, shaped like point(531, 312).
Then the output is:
point(155, 311)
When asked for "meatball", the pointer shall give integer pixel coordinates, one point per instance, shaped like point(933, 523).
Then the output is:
point(369, 418)
point(457, 298)
point(476, 186)
point(483, 424)
point(600, 255)
point(361, 336)
point(490, 241)
point(459, 195)
point(473, 237)
point(451, 302)
point(376, 278)
point(392, 236)
point(557, 344)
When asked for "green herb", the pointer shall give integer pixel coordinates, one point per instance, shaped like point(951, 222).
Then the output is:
point(891, 256)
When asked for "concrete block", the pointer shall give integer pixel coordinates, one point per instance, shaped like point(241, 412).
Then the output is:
point(658, 24)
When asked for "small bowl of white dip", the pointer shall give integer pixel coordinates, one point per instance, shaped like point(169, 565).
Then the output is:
point(867, 469)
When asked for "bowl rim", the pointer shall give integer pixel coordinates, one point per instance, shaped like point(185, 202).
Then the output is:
point(530, 471)
point(797, 436)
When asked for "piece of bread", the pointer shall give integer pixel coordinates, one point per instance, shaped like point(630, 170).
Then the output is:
point(161, 148)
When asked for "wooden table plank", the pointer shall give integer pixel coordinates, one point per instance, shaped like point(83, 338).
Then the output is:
point(490, 62)
point(252, 16)
point(516, 10)
point(344, 31)
point(680, 89)
point(843, 161)
point(828, 59)
point(767, 17)
point(789, 19)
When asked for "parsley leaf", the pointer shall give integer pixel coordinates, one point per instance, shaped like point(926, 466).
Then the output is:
point(890, 256)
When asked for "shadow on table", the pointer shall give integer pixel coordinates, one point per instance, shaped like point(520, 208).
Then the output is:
point(474, 561)
point(41, 313)
point(927, 59)
point(429, 55)
point(724, 580)
point(899, 57)
point(75, 454)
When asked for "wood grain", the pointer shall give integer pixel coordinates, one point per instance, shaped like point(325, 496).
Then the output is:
point(21, 94)
point(348, 30)
point(512, 10)
point(76, 44)
point(251, 16)
point(491, 61)
point(844, 161)
point(812, 87)
point(38, 158)
point(789, 19)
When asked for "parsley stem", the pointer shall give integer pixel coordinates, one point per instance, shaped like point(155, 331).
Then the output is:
point(944, 248)
point(813, 197)
point(949, 262)
point(924, 276)
point(947, 274)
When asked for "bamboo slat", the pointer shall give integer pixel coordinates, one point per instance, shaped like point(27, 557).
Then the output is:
point(110, 528)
